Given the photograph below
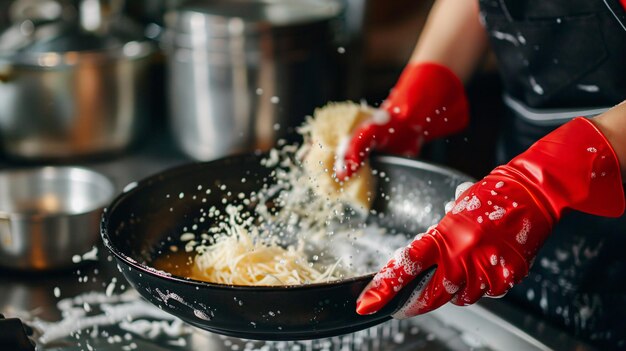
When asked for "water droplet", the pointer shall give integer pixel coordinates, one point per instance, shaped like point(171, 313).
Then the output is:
point(129, 187)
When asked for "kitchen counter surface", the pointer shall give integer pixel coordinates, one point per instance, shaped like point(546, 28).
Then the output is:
point(93, 292)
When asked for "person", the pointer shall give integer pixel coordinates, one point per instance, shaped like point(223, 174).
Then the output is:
point(563, 156)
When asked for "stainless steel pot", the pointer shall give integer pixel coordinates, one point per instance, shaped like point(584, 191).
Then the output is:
point(50, 214)
point(241, 73)
point(73, 94)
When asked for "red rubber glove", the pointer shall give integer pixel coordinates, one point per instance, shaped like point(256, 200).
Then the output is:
point(428, 102)
point(488, 240)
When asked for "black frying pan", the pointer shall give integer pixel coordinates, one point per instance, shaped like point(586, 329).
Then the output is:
point(143, 219)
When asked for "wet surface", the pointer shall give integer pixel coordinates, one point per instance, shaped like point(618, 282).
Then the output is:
point(52, 297)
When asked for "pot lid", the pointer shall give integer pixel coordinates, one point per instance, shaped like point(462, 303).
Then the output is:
point(73, 39)
point(60, 38)
point(225, 17)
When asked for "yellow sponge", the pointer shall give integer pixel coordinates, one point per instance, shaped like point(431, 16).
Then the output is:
point(331, 125)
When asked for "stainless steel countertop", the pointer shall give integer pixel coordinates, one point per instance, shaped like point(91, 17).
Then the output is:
point(491, 324)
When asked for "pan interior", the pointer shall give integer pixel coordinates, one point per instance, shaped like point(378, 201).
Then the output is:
point(150, 220)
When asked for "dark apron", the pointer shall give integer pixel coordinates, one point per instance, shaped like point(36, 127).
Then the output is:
point(560, 59)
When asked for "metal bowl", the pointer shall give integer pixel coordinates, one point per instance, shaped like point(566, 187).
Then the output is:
point(156, 211)
point(50, 214)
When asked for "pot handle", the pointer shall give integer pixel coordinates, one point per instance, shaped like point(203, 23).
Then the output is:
point(6, 71)
point(6, 239)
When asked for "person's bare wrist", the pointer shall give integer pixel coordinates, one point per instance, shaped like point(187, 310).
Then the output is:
point(612, 124)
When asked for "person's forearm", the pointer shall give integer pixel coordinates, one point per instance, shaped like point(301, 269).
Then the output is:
point(612, 124)
point(453, 37)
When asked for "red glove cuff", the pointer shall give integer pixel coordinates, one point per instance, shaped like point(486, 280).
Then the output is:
point(431, 97)
point(574, 167)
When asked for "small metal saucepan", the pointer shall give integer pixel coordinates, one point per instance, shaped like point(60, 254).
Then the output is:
point(50, 214)
point(157, 210)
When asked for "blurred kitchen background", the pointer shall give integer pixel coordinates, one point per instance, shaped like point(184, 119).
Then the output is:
point(92, 79)
point(128, 88)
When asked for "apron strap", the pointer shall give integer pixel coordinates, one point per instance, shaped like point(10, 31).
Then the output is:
point(548, 116)
point(618, 11)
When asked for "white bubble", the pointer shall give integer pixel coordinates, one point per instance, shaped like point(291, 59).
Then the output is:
point(493, 260)
point(129, 187)
point(498, 213)
point(201, 315)
point(450, 287)
point(522, 236)
point(473, 204)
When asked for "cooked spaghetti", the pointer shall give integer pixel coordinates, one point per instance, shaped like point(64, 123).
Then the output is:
point(240, 256)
